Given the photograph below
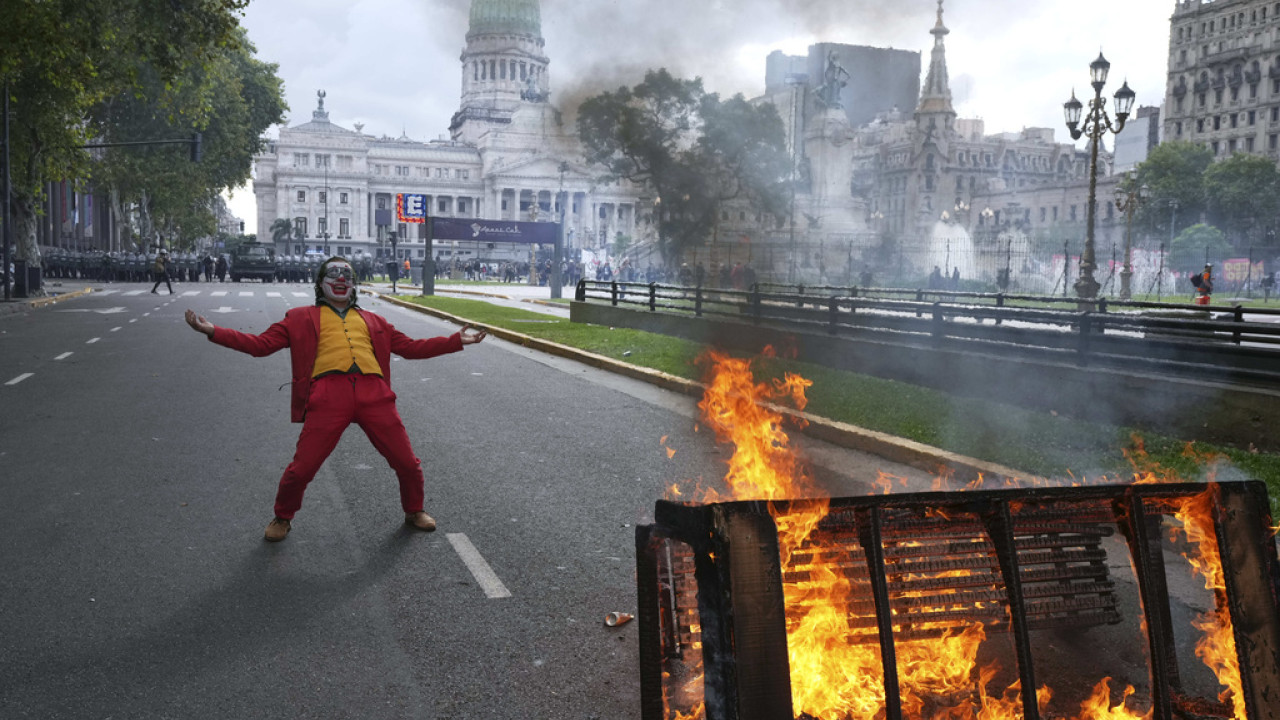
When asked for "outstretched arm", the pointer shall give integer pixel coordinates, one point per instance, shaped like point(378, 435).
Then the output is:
point(275, 337)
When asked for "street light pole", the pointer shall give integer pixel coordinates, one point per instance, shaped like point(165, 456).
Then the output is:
point(1127, 200)
point(1096, 124)
point(326, 205)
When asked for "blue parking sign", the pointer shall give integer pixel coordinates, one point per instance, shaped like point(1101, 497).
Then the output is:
point(411, 208)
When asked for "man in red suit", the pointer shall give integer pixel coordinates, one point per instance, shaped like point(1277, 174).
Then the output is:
point(341, 361)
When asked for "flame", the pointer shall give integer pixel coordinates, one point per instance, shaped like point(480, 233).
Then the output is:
point(1098, 706)
point(1217, 647)
point(837, 674)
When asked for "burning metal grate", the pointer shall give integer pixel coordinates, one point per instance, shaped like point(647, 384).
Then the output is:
point(957, 606)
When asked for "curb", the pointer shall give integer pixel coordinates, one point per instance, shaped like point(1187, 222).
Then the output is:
point(923, 457)
point(40, 302)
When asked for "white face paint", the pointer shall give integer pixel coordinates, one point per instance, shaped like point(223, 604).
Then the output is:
point(338, 284)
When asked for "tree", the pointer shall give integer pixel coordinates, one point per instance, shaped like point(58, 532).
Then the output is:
point(1196, 245)
point(60, 58)
point(1174, 176)
point(692, 150)
point(1242, 196)
point(282, 230)
point(231, 99)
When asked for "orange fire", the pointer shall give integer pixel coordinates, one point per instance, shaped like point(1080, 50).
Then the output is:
point(834, 676)
point(1217, 647)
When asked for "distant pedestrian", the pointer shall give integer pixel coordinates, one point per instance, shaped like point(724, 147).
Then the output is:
point(160, 268)
point(221, 268)
point(1203, 282)
point(341, 365)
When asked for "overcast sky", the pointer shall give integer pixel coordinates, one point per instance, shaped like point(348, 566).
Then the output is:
point(393, 64)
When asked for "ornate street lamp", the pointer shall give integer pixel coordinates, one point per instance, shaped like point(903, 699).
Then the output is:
point(1094, 125)
point(1128, 196)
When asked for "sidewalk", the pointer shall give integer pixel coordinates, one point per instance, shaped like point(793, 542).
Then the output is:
point(55, 292)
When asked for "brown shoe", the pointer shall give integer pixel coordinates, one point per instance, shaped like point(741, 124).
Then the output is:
point(420, 520)
point(276, 530)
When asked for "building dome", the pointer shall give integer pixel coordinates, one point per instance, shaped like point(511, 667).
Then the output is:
point(505, 16)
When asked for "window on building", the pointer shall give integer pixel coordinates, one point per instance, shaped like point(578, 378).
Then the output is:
point(1215, 146)
point(1248, 144)
point(1253, 116)
point(1235, 94)
point(1231, 146)
point(1055, 213)
point(442, 205)
point(382, 203)
point(1275, 114)
point(1043, 212)
point(462, 207)
point(1253, 90)
point(300, 226)
point(1235, 119)
point(342, 198)
point(1178, 128)
point(344, 227)
point(377, 169)
point(1271, 141)
point(322, 225)
point(1217, 97)
point(1073, 213)
point(1217, 122)
point(322, 161)
point(324, 197)
point(301, 159)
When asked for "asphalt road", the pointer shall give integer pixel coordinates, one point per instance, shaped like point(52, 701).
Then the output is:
point(138, 464)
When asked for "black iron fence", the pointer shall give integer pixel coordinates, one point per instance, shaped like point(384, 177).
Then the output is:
point(1229, 342)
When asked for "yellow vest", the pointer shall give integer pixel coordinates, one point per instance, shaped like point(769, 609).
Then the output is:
point(344, 344)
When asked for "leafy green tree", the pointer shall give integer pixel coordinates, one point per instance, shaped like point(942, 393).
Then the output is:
point(282, 230)
point(61, 58)
point(1193, 245)
point(232, 99)
point(693, 150)
point(1243, 195)
point(1174, 176)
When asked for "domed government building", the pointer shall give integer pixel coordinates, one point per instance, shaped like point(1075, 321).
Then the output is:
point(508, 156)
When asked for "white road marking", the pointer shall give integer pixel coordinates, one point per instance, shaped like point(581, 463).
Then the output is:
point(92, 341)
point(114, 329)
point(134, 320)
point(224, 309)
point(111, 311)
point(273, 294)
point(480, 570)
point(246, 293)
point(190, 292)
point(298, 294)
point(135, 292)
point(218, 293)
point(63, 356)
point(107, 292)
point(24, 376)
point(146, 314)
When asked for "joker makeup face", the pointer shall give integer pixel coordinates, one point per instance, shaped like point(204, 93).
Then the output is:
point(338, 284)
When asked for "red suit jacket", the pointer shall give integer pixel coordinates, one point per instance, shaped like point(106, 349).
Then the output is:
point(300, 332)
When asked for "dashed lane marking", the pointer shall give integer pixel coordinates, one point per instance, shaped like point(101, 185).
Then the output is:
point(190, 292)
point(246, 293)
point(480, 570)
point(135, 292)
point(91, 341)
point(273, 294)
point(218, 293)
point(298, 294)
point(63, 356)
point(24, 376)
point(115, 329)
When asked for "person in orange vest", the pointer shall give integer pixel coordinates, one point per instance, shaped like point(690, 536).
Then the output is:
point(1204, 284)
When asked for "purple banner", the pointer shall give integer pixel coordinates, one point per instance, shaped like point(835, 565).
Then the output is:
point(493, 230)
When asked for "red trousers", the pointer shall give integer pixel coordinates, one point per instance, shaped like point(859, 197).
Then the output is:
point(335, 402)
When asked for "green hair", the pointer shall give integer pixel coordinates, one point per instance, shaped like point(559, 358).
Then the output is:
point(324, 266)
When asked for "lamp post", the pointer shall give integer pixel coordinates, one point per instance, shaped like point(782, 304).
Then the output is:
point(326, 205)
point(1128, 197)
point(1095, 124)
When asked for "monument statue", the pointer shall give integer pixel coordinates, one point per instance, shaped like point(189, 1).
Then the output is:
point(834, 78)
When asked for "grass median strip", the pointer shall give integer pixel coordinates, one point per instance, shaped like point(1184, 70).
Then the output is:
point(1036, 442)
